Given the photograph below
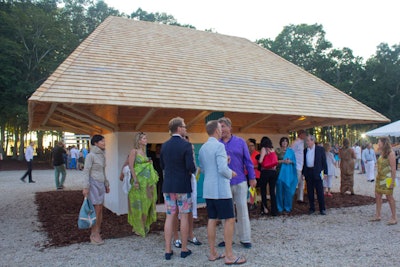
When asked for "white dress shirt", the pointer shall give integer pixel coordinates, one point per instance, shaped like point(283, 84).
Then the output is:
point(29, 153)
point(310, 157)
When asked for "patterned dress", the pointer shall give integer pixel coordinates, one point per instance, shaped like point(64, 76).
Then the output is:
point(384, 172)
point(142, 201)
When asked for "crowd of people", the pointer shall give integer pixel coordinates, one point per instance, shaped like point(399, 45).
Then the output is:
point(231, 167)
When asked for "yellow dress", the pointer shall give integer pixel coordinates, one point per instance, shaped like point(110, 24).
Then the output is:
point(384, 172)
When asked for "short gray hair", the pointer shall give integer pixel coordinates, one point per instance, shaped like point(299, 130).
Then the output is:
point(226, 121)
point(312, 137)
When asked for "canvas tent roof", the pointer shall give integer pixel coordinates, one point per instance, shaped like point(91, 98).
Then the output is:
point(132, 75)
point(392, 129)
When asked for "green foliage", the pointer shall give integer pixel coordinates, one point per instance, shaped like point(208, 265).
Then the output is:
point(162, 18)
point(380, 86)
point(302, 45)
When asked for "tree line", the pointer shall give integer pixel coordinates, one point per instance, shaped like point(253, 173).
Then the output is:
point(37, 36)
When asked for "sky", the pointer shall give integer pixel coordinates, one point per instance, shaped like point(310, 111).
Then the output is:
point(358, 25)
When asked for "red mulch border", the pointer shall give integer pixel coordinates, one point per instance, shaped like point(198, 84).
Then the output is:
point(58, 213)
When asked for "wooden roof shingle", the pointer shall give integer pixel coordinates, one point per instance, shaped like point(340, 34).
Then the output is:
point(135, 70)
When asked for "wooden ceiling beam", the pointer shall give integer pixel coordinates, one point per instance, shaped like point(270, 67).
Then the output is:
point(146, 117)
point(73, 122)
point(94, 117)
point(84, 119)
point(201, 116)
point(255, 122)
point(53, 106)
point(73, 129)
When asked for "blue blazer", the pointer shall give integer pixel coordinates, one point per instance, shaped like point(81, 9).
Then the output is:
point(176, 160)
point(319, 163)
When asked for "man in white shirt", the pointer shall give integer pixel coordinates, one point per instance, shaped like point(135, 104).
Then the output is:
point(315, 170)
point(298, 148)
point(29, 159)
point(74, 158)
point(357, 151)
point(369, 159)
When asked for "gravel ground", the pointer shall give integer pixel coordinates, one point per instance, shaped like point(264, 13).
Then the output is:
point(342, 238)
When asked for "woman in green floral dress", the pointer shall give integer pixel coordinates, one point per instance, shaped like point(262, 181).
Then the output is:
point(142, 196)
point(385, 179)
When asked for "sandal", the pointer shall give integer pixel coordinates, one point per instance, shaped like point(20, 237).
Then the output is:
point(95, 241)
point(375, 219)
point(392, 222)
point(239, 260)
point(218, 257)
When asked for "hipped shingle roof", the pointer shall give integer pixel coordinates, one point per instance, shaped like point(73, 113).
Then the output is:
point(134, 75)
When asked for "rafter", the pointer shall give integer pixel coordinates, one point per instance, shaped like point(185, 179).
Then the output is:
point(68, 127)
point(94, 117)
point(146, 117)
point(201, 116)
point(51, 111)
point(73, 122)
point(90, 121)
point(255, 122)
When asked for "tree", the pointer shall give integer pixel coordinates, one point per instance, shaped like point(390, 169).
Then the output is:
point(35, 40)
point(163, 18)
point(380, 87)
point(303, 45)
point(97, 13)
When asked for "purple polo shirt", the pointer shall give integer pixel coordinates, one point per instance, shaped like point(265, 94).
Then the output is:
point(237, 149)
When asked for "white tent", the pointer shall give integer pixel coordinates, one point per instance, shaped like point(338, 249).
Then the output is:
point(392, 129)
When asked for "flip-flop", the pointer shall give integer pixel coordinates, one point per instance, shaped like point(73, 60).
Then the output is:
point(220, 256)
point(237, 261)
point(392, 222)
point(375, 219)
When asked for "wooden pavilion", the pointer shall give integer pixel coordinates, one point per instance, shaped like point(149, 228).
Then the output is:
point(130, 76)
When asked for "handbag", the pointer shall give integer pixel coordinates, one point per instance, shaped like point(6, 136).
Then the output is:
point(87, 215)
point(126, 184)
point(270, 160)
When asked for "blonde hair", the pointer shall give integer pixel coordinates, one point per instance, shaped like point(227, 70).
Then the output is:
point(138, 137)
point(174, 124)
point(386, 148)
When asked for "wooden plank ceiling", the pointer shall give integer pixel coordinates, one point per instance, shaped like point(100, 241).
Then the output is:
point(135, 76)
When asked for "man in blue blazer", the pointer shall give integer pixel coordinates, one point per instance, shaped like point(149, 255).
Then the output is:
point(217, 192)
point(176, 160)
point(314, 170)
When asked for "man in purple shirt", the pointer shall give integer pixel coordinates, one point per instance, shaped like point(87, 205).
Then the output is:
point(239, 161)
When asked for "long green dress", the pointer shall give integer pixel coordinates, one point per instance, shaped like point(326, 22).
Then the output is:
point(142, 201)
point(384, 172)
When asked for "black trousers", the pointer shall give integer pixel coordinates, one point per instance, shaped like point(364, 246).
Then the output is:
point(268, 177)
point(314, 183)
point(29, 171)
